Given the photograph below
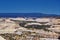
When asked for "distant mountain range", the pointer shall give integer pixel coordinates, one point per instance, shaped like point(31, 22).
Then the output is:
point(27, 15)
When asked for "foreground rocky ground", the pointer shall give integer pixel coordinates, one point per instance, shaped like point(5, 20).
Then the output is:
point(12, 29)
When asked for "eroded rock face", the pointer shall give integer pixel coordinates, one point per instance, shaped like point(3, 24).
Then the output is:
point(8, 25)
point(1, 38)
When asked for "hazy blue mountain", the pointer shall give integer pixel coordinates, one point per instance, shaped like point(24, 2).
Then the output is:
point(27, 15)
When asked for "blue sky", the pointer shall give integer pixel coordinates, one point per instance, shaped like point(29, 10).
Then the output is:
point(29, 6)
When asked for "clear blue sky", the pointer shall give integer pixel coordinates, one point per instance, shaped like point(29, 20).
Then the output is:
point(28, 6)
